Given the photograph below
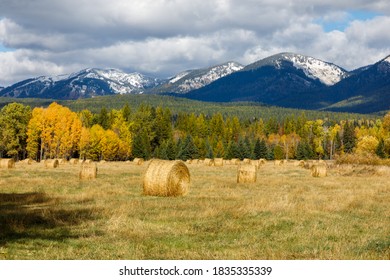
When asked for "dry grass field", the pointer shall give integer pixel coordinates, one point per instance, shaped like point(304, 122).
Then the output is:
point(48, 213)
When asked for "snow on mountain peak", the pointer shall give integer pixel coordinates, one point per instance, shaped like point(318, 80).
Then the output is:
point(328, 73)
point(196, 79)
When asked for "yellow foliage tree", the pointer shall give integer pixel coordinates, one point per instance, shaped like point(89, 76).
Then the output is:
point(53, 132)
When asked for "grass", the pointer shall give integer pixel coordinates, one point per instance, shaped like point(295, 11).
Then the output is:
point(287, 214)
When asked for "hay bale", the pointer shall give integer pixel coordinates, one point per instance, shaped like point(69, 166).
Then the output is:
point(166, 178)
point(7, 163)
point(246, 173)
point(262, 161)
point(246, 161)
point(218, 162)
point(28, 161)
point(382, 170)
point(256, 163)
point(208, 162)
point(88, 171)
point(74, 161)
point(138, 161)
point(51, 163)
point(235, 161)
point(319, 170)
point(278, 162)
point(87, 161)
point(62, 161)
point(309, 164)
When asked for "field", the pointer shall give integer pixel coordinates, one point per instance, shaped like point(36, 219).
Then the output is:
point(287, 214)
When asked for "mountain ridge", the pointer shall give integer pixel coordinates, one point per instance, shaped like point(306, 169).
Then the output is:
point(284, 79)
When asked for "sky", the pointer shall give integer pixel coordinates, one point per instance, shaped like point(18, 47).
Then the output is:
point(164, 37)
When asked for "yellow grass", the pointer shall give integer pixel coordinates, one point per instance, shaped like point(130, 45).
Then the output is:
point(286, 214)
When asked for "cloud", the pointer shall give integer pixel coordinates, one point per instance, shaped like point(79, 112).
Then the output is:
point(163, 37)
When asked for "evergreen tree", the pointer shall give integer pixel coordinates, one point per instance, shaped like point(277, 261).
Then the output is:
point(257, 149)
point(188, 150)
point(349, 138)
point(232, 150)
point(170, 150)
point(141, 145)
point(209, 150)
point(260, 149)
point(103, 119)
point(380, 149)
point(304, 151)
point(126, 112)
point(243, 149)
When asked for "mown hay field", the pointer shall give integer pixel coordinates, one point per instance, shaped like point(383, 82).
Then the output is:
point(48, 213)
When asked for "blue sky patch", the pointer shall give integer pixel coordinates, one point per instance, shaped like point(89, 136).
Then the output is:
point(342, 24)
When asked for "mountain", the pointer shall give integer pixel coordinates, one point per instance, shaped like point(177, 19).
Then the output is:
point(284, 79)
point(86, 83)
point(366, 90)
point(189, 80)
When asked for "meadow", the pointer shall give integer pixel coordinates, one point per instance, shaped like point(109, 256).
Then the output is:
point(287, 214)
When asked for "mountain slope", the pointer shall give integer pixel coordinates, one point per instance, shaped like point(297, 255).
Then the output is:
point(194, 79)
point(366, 90)
point(86, 83)
point(283, 80)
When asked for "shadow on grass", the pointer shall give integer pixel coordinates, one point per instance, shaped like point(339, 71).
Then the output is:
point(36, 215)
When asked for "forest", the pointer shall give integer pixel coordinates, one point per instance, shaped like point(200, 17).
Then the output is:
point(146, 131)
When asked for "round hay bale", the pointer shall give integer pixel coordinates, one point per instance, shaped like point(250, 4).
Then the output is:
point(138, 161)
point(87, 161)
point(28, 161)
point(246, 173)
point(62, 161)
point(166, 178)
point(235, 161)
point(218, 162)
point(246, 160)
point(382, 170)
point(309, 164)
point(7, 163)
point(74, 161)
point(262, 161)
point(51, 163)
point(319, 170)
point(256, 163)
point(208, 162)
point(278, 162)
point(88, 171)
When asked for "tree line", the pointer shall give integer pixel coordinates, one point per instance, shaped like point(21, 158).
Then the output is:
point(148, 131)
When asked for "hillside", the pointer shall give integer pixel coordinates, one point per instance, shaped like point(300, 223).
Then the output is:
point(244, 110)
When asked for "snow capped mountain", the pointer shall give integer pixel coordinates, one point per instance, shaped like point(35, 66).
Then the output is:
point(327, 73)
point(118, 81)
point(189, 80)
point(89, 82)
point(285, 79)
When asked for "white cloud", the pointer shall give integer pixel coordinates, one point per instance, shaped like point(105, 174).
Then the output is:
point(163, 37)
